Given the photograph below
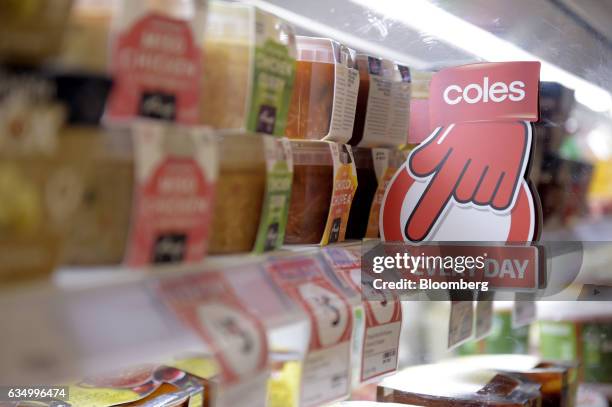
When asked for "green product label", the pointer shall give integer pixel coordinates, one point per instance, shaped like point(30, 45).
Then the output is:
point(273, 74)
point(558, 340)
point(275, 208)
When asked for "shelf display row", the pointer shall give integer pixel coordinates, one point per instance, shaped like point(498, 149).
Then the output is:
point(85, 183)
point(295, 320)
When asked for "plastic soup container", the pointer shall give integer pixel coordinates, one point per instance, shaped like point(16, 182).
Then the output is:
point(239, 193)
point(313, 174)
point(249, 65)
point(325, 91)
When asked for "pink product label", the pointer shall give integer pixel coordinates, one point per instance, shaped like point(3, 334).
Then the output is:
point(171, 214)
point(157, 68)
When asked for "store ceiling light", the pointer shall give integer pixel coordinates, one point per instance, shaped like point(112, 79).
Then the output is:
point(432, 20)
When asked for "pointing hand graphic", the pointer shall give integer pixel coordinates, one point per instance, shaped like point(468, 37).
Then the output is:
point(479, 163)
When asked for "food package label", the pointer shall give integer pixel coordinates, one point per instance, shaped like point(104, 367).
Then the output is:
point(275, 208)
point(207, 304)
point(156, 65)
point(387, 113)
point(346, 88)
point(383, 318)
point(344, 187)
point(272, 77)
point(326, 367)
point(173, 194)
point(461, 323)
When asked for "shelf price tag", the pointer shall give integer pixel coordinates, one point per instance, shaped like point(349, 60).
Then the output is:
point(207, 304)
point(461, 322)
point(524, 309)
point(326, 366)
point(379, 345)
point(484, 314)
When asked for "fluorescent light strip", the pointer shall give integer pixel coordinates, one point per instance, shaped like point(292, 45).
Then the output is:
point(426, 17)
point(339, 35)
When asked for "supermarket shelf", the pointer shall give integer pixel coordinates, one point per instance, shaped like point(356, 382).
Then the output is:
point(65, 328)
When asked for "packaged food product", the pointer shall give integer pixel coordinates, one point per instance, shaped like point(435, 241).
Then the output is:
point(90, 188)
point(375, 168)
point(239, 193)
point(156, 60)
point(364, 195)
point(175, 170)
point(419, 127)
point(30, 121)
point(383, 103)
point(150, 385)
point(556, 103)
point(29, 245)
point(248, 71)
point(433, 385)
point(325, 91)
point(86, 43)
point(284, 382)
point(32, 31)
point(558, 380)
point(343, 192)
point(313, 178)
point(275, 207)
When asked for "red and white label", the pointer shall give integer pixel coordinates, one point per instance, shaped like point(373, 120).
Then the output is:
point(156, 65)
point(172, 196)
point(326, 368)
point(506, 91)
point(207, 304)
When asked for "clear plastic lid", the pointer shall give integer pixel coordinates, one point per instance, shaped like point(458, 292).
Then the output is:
point(311, 153)
point(324, 50)
point(228, 22)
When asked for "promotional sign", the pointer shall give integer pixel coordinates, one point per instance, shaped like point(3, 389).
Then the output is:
point(326, 367)
point(206, 303)
point(469, 179)
point(156, 66)
point(175, 173)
